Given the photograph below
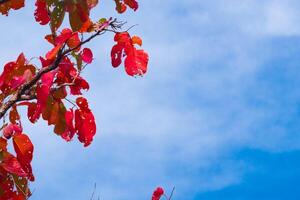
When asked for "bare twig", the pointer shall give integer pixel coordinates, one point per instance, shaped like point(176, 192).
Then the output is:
point(171, 195)
point(131, 27)
point(95, 187)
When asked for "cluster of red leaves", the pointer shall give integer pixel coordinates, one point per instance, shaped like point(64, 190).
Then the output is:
point(15, 74)
point(50, 101)
point(50, 95)
point(53, 12)
point(11, 4)
point(136, 61)
point(50, 92)
point(15, 171)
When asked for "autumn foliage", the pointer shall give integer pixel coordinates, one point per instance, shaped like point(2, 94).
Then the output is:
point(53, 90)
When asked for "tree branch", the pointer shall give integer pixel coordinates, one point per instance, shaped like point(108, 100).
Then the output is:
point(21, 93)
point(3, 1)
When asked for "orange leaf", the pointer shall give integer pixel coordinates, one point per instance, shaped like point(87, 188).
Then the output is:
point(24, 150)
point(53, 52)
point(137, 40)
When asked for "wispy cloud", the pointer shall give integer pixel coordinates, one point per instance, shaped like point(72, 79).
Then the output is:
point(212, 88)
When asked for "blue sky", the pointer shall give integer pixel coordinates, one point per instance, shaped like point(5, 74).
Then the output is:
point(217, 115)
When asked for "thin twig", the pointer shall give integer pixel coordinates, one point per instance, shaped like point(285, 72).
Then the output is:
point(172, 193)
point(68, 100)
point(131, 27)
point(92, 197)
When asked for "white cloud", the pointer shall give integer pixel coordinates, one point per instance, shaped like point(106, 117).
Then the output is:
point(180, 123)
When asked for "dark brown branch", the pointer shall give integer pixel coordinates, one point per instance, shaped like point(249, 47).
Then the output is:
point(27, 86)
point(21, 93)
point(27, 97)
point(3, 1)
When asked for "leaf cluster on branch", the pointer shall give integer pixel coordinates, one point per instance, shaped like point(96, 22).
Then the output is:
point(53, 89)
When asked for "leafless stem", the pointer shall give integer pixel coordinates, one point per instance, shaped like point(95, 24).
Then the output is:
point(92, 196)
point(171, 195)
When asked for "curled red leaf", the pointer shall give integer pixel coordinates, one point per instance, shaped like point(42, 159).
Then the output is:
point(41, 14)
point(87, 55)
point(133, 4)
point(10, 130)
point(121, 5)
point(116, 55)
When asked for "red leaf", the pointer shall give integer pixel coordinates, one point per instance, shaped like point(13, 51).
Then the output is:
point(24, 150)
point(133, 4)
point(53, 52)
point(41, 14)
point(50, 39)
point(17, 4)
point(12, 165)
point(14, 74)
point(136, 63)
point(23, 147)
point(70, 128)
point(116, 55)
point(79, 84)
point(59, 93)
point(11, 129)
point(14, 115)
point(21, 60)
point(79, 14)
point(45, 62)
point(74, 41)
point(87, 55)
point(92, 3)
point(43, 90)
point(68, 74)
point(122, 38)
point(34, 112)
point(17, 81)
point(84, 122)
point(3, 144)
point(6, 186)
point(12, 4)
point(65, 34)
point(121, 5)
point(157, 193)
point(82, 103)
point(85, 125)
point(87, 26)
